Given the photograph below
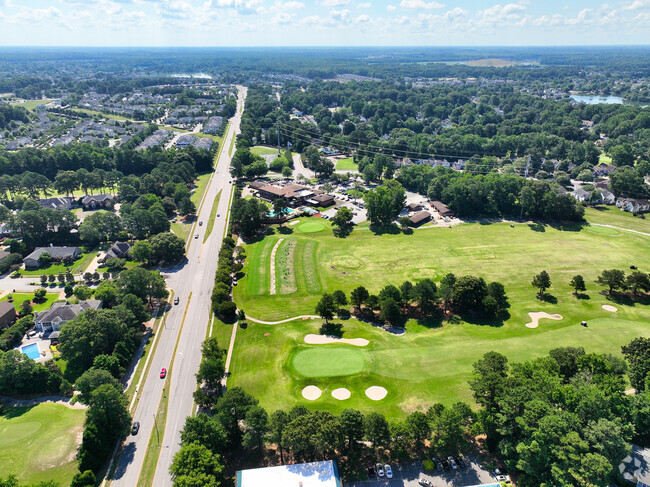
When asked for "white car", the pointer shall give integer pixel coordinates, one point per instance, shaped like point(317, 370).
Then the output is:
point(380, 470)
point(389, 471)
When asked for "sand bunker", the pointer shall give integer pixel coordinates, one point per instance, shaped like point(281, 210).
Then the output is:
point(341, 394)
point(536, 316)
point(311, 393)
point(376, 393)
point(609, 307)
point(314, 339)
point(294, 222)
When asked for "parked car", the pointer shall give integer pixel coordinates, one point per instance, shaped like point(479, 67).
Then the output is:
point(460, 460)
point(436, 460)
point(445, 465)
point(425, 483)
point(371, 472)
point(380, 470)
point(389, 471)
point(452, 462)
point(135, 428)
point(163, 373)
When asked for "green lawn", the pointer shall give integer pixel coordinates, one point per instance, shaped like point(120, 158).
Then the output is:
point(433, 361)
point(259, 150)
point(232, 145)
point(40, 443)
point(31, 104)
point(107, 116)
point(20, 297)
point(604, 159)
point(610, 215)
point(213, 215)
point(201, 182)
point(77, 266)
point(346, 164)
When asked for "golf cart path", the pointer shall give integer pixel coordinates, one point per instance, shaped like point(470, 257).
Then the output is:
point(64, 401)
point(275, 249)
point(300, 317)
point(619, 228)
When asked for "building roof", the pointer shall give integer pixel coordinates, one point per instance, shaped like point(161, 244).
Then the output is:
point(315, 474)
point(420, 216)
point(636, 466)
point(3, 254)
point(119, 250)
point(441, 207)
point(99, 198)
point(6, 308)
point(55, 203)
point(63, 312)
point(414, 206)
point(56, 252)
point(321, 198)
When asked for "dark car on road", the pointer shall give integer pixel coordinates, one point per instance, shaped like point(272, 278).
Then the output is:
point(135, 428)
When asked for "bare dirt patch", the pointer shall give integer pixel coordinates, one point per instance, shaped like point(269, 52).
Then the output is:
point(535, 316)
point(609, 307)
point(313, 339)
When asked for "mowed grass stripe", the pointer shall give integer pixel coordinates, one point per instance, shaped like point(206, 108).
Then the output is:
point(285, 276)
point(309, 271)
point(257, 269)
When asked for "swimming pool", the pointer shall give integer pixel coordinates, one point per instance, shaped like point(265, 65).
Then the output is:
point(288, 211)
point(31, 351)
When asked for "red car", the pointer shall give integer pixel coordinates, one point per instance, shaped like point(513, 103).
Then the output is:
point(163, 373)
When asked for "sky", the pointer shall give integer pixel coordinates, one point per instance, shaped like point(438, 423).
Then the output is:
point(323, 22)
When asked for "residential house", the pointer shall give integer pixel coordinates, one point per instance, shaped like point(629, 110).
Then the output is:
point(633, 205)
point(119, 250)
point(419, 218)
point(608, 197)
point(203, 143)
point(7, 314)
point(60, 313)
point(97, 201)
point(414, 207)
point(603, 169)
point(58, 203)
point(184, 141)
point(442, 209)
point(581, 195)
point(58, 254)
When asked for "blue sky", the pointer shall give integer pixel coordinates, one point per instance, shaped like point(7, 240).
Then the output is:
point(322, 22)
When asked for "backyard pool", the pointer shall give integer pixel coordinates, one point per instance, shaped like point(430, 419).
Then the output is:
point(288, 211)
point(31, 351)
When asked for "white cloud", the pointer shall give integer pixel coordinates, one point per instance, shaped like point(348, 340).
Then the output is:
point(334, 3)
point(391, 8)
point(334, 19)
point(364, 5)
point(241, 6)
point(363, 19)
point(637, 5)
point(420, 5)
point(282, 18)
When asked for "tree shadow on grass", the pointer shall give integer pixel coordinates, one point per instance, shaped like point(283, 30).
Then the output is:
point(537, 227)
point(285, 230)
point(390, 229)
point(485, 320)
point(331, 329)
point(627, 298)
point(8, 412)
point(430, 321)
point(582, 296)
point(568, 226)
point(547, 298)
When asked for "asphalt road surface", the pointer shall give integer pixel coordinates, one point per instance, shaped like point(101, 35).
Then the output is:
point(192, 283)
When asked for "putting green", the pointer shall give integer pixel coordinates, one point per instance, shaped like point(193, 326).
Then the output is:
point(603, 230)
point(311, 227)
point(328, 361)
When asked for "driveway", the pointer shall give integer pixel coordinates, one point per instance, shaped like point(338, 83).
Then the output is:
point(407, 475)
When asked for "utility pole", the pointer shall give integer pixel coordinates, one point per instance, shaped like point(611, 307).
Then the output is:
point(279, 152)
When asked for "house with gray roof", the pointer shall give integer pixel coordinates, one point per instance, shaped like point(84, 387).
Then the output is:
point(57, 203)
point(60, 313)
point(57, 253)
point(97, 200)
point(119, 250)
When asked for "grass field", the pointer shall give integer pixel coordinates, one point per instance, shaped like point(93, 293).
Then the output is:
point(20, 297)
point(180, 228)
point(346, 164)
point(213, 215)
point(604, 159)
point(107, 116)
point(77, 266)
point(259, 150)
point(610, 215)
point(433, 361)
point(40, 443)
point(31, 104)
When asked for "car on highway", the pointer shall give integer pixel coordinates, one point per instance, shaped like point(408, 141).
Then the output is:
point(218, 215)
point(200, 224)
point(425, 483)
point(196, 236)
point(135, 428)
point(163, 373)
point(176, 300)
point(380, 470)
point(452, 462)
point(389, 471)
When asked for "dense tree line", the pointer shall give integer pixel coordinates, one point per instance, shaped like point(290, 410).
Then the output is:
point(577, 420)
point(230, 262)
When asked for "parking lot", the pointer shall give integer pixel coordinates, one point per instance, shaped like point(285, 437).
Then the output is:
point(407, 475)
